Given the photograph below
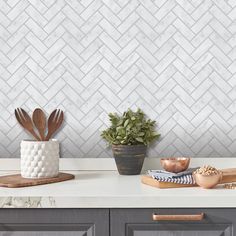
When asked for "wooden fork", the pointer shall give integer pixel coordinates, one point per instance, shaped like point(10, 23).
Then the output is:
point(25, 121)
point(54, 122)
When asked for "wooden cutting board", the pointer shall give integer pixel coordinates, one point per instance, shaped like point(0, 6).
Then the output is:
point(229, 176)
point(16, 181)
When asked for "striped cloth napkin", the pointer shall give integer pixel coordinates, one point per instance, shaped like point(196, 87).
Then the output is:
point(184, 177)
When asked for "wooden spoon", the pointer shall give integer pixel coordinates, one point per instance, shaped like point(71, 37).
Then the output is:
point(39, 120)
point(54, 122)
point(25, 121)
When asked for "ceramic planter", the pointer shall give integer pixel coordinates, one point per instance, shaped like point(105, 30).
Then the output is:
point(39, 159)
point(129, 158)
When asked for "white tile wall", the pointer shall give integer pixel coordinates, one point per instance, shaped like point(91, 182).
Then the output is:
point(175, 59)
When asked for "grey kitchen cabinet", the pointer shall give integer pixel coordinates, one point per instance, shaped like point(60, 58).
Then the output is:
point(115, 222)
point(139, 222)
point(54, 222)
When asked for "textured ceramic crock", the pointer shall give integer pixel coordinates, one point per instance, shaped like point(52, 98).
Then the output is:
point(39, 159)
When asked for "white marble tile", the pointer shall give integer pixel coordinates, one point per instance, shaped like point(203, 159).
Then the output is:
point(169, 57)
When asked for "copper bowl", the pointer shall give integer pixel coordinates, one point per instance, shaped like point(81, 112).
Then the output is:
point(207, 181)
point(175, 165)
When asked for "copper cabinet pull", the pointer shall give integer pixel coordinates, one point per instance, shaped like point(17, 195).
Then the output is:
point(197, 217)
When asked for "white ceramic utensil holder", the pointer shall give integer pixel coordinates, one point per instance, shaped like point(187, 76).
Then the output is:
point(39, 159)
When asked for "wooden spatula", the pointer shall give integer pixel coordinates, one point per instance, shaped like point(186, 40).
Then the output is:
point(54, 122)
point(25, 121)
point(39, 120)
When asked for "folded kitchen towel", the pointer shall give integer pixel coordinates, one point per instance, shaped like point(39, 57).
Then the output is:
point(184, 177)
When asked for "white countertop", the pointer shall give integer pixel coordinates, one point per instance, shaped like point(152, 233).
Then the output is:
point(108, 189)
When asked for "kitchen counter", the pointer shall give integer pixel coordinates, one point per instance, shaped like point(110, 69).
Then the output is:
point(108, 189)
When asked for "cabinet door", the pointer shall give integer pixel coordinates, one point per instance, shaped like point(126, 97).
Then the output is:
point(139, 222)
point(47, 229)
point(54, 222)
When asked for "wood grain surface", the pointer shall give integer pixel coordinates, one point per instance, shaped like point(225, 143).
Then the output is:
point(17, 181)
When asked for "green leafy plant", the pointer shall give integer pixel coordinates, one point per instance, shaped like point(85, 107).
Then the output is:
point(132, 128)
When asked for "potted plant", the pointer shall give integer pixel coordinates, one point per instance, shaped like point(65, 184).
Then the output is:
point(129, 135)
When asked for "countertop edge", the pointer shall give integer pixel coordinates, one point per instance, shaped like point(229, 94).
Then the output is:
point(114, 202)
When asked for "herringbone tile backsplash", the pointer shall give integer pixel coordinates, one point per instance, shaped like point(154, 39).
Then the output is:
point(175, 59)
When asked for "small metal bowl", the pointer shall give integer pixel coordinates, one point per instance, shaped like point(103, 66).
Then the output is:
point(175, 165)
point(207, 181)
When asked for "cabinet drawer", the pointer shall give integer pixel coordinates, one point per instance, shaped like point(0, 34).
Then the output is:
point(184, 222)
point(54, 222)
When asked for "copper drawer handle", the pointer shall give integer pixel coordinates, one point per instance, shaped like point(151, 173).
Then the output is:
point(197, 217)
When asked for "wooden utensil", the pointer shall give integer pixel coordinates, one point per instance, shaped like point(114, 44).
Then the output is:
point(54, 122)
point(228, 176)
point(39, 120)
point(25, 121)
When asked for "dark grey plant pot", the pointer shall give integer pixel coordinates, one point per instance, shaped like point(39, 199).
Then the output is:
point(129, 158)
